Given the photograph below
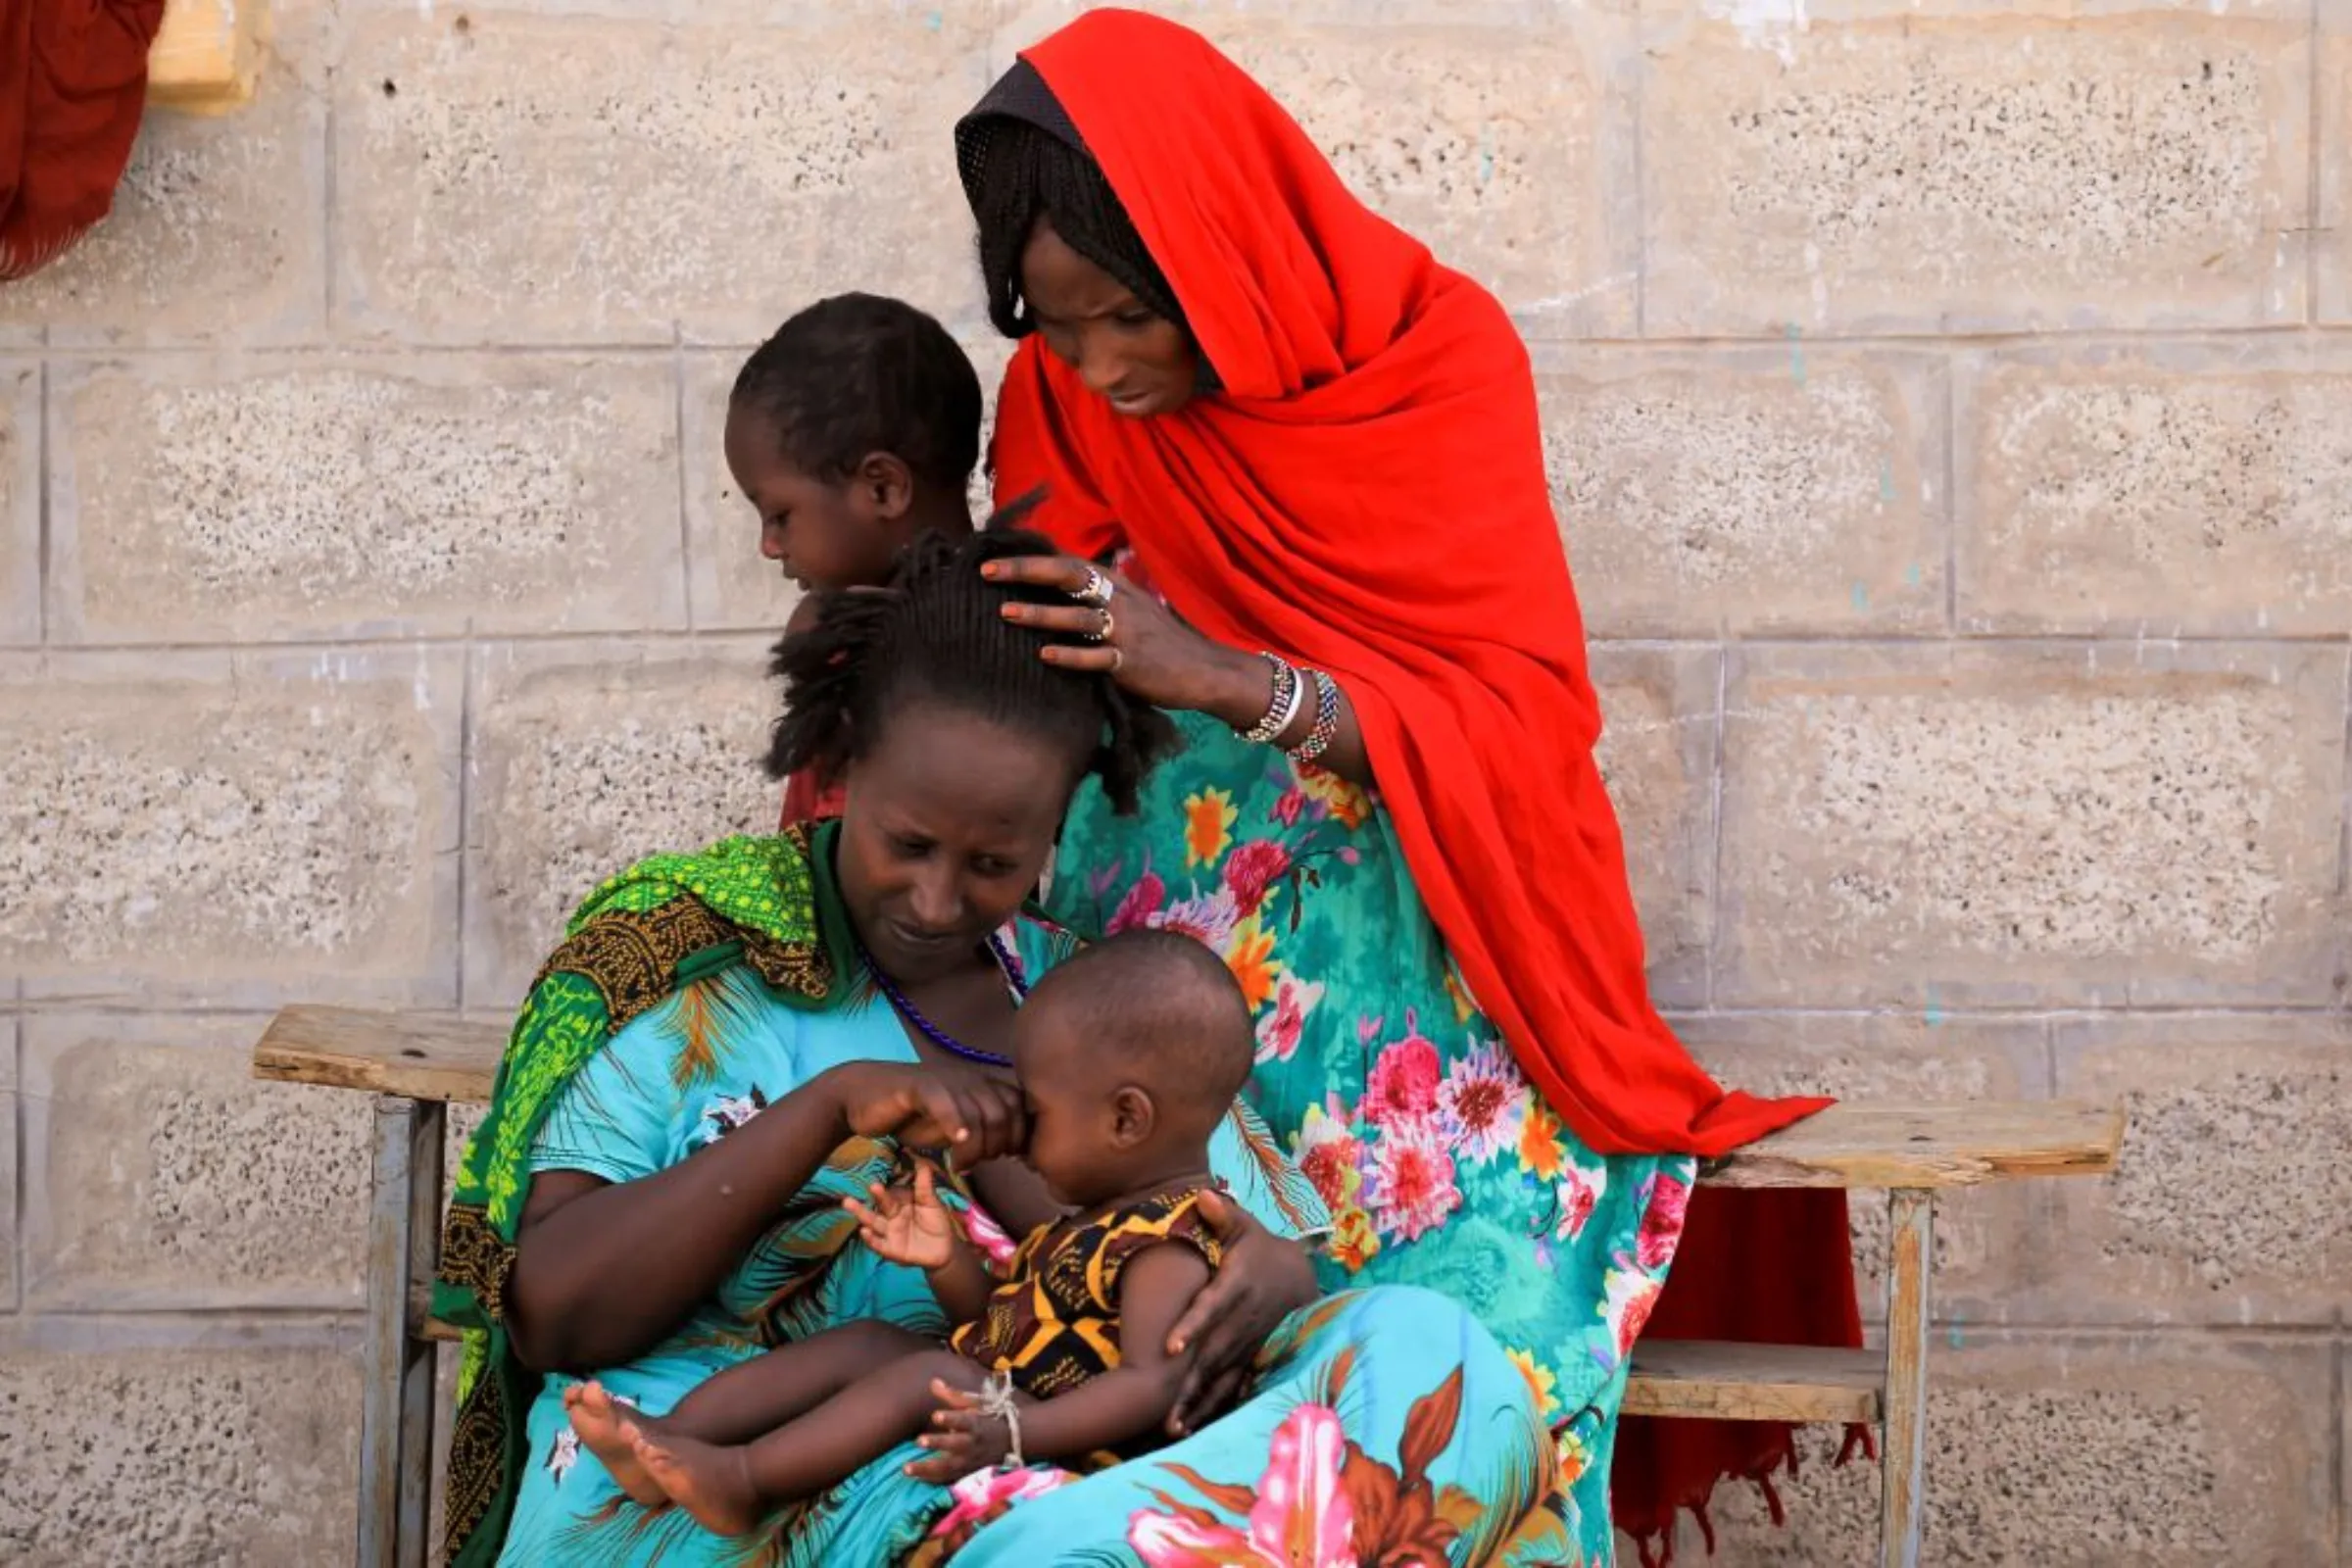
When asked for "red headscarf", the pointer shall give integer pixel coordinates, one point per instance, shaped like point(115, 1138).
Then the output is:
point(73, 84)
point(1368, 496)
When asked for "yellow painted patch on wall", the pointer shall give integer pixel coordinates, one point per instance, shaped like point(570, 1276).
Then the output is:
point(206, 55)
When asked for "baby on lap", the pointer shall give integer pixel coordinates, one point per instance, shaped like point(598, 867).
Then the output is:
point(1128, 1055)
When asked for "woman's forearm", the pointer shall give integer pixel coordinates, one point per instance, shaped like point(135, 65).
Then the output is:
point(601, 1276)
point(1238, 688)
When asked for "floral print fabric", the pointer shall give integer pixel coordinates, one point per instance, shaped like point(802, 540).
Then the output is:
point(1385, 1427)
point(1439, 1165)
point(1332, 1403)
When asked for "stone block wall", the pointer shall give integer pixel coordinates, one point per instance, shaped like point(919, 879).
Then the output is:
point(1951, 410)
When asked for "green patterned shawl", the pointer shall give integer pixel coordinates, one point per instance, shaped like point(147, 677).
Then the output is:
point(658, 926)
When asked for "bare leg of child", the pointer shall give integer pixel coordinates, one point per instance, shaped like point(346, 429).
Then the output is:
point(729, 1491)
point(738, 1405)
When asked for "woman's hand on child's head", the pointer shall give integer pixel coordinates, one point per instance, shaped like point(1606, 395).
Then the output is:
point(906, 1225)
point(971, 1116)
point(963, 1437)
point(1133, 637)
point(1262, 1279)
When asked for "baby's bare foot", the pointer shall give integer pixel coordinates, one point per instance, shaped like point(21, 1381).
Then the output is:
point(602, 1429)
point(710, 1483)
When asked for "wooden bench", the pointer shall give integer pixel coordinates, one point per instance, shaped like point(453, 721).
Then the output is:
point(417, 1067)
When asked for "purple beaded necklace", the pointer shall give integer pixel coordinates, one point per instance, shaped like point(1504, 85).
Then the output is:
point(932, 1032)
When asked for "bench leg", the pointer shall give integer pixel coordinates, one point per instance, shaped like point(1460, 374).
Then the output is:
point(396, 1410)
point(1903, 1476)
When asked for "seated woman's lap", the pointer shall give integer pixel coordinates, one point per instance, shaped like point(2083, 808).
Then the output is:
point(1395, 1388)
point(1398, 1389)
point(571, 1506)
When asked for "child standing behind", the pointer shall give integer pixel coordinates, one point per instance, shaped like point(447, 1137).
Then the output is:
point(1129, 1054)
point(852, 432)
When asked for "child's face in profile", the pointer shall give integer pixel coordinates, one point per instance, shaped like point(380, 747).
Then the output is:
point(822, 534)
point(1076, 1142)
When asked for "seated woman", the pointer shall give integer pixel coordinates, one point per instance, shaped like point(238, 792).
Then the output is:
point(1129, 1056)
point(730, 1043)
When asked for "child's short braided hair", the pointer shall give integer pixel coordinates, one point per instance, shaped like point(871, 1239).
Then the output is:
point(858, 374)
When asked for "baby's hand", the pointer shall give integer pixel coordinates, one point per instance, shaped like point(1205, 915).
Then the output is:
point(962, 1438)
point(906, 1225)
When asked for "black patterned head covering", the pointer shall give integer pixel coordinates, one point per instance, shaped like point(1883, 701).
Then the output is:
point(1021, 158)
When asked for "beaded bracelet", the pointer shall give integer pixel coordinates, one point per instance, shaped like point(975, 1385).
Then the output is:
point(1327, 719)
point(1289, 689)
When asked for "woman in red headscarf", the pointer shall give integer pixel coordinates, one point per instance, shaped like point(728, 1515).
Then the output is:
point(1319, 448)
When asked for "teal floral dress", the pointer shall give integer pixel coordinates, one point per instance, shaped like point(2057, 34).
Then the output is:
point(1381, 1425)
point(1439, 1165)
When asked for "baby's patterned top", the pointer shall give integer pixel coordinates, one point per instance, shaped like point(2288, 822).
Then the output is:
point(1055, 1321)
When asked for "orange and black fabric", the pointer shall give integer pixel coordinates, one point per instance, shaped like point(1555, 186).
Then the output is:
point(1054, 1324)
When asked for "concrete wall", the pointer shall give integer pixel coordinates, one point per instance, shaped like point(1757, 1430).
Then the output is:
point(1952, 409)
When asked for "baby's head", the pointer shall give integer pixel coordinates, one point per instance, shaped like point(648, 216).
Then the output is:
point(1130, 1054)
point(851, 432)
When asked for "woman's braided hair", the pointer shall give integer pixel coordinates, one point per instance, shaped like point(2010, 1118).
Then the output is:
point(1016, 172)
point(937, 635)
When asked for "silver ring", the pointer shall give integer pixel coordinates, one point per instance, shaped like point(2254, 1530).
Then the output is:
point(1103, 635)
point(1096, 590)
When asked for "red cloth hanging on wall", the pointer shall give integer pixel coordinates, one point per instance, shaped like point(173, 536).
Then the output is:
point(73, 86)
